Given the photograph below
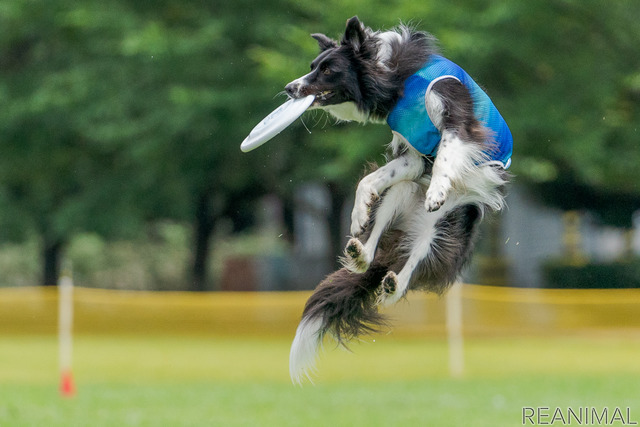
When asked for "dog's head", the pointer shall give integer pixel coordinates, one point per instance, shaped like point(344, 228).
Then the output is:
point(336, 73)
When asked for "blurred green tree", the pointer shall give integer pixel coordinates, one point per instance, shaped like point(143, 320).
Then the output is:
point(69, 114)
point(121, 112)
point(116, 113)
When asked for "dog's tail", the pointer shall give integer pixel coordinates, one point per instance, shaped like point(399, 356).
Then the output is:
point(343, 305)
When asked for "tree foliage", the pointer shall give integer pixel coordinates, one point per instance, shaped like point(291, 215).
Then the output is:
point(117, 112)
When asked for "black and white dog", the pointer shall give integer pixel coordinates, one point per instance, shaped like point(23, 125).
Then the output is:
point(415, 218)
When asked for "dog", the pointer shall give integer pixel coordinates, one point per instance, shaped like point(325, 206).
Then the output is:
point(415, 218)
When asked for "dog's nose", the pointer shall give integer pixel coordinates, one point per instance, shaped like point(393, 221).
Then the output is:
point(292, 89)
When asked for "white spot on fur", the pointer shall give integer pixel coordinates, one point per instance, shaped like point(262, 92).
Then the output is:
point(434, 104)
point(481, 187)
point(304, 350)
point(347, 112)
point(385, 48)
point(435, 108)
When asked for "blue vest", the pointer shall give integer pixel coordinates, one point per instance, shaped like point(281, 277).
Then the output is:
point(410, 118)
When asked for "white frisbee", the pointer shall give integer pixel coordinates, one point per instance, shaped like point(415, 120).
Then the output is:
point(276, 122)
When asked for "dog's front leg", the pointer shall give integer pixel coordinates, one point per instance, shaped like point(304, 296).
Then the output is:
point(444, 168)
point(454, 160)
point(405, 168)
point(461, 148)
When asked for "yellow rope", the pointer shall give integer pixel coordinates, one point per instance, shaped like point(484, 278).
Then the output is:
point(486, 310)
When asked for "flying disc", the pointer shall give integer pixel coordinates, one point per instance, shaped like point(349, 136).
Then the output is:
point(276, 122)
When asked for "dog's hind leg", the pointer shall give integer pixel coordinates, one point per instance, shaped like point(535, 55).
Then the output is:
point(439, 251)
point(397, 199)
point(420, 246)
point(407, 167)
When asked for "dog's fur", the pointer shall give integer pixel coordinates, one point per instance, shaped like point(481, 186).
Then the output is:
point(415, 218)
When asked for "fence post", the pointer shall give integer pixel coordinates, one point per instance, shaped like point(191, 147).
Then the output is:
point(65, 327)
point(454, 330)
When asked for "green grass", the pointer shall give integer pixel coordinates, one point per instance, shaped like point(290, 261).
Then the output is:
point(198, 381)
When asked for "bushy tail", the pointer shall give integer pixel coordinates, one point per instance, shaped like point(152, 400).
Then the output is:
point(342, 305)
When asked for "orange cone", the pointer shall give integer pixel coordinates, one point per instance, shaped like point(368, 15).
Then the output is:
point(67, 388)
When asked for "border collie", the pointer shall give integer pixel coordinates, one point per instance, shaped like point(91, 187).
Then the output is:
point(415, 218)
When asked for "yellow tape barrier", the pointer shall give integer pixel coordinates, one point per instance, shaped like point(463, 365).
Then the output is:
point(487, 311)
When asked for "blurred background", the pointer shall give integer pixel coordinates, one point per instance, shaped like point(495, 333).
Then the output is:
point(120, 125)
point(120, 131)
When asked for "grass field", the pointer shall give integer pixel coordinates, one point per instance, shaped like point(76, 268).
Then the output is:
point(208, 381)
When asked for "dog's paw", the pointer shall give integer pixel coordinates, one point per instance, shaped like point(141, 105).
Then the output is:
point(434, 200)
point(359, 218)
point(355, 257)
point(437, 193)
point(387, 293)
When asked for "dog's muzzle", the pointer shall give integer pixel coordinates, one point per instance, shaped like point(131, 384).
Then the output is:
point(293, 89)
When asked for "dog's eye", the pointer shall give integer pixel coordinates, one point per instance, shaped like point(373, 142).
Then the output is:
point(326, 71)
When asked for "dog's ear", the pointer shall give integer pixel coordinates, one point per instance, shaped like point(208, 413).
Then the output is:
point(354, 34)
point(324, 42)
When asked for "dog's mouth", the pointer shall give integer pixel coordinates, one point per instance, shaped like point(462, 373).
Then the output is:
point(323, 97)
